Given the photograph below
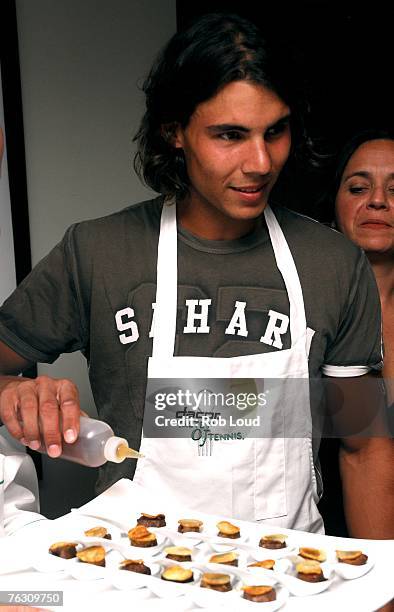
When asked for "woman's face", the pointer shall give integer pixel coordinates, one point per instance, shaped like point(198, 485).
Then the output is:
point(365, 200)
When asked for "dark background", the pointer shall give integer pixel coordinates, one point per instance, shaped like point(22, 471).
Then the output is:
point(345, 51)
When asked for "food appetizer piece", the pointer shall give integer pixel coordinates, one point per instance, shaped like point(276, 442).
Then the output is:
point(140, 536)
point(152, 520)
point(259, 593)
point(310, 571)
point(176, 573)
point(228, 530)
point(265, 564)
point(352, 557)
point(274, 541)
point(178, 553)
point(135, 565)
point(216, 582)
point(92, 554)
point(313, 553)
point(186, 525)
point(65, 550)
point(98, 532)
point(230, 558)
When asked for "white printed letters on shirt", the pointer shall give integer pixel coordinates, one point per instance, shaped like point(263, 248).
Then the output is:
point(192, 316)
point(197, 322)
point(127, 325)
point(276, 331)
point(152, 327)
point(237, 324)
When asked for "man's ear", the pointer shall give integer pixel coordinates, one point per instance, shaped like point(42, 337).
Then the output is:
point(173, 134)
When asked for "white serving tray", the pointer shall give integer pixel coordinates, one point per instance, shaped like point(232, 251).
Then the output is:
point(121, 504)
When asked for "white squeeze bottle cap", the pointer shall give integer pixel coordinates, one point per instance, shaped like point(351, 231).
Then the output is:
point(117, 449)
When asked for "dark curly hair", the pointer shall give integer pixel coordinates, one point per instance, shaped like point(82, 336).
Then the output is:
point(215, 50)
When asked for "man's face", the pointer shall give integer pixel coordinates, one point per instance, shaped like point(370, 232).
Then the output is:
point(235, 146)
point(365, 199)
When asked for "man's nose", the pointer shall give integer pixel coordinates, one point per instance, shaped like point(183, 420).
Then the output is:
point(378, 198)
point(257, 158)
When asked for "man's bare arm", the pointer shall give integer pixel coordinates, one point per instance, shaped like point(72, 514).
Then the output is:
point(366, 456)
point(34, 409)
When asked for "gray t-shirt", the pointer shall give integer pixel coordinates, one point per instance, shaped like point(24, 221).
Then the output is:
point(94, 292)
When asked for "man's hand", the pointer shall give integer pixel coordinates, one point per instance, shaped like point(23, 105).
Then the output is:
point(38, 409)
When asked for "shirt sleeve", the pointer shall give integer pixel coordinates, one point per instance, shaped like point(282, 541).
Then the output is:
point(357, 347)
point(42, 318)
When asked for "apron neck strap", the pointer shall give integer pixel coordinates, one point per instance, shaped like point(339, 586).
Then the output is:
point(287, 268)
point(164, 329)
point(167, 281)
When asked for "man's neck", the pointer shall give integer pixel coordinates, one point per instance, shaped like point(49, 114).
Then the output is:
point(212, 224)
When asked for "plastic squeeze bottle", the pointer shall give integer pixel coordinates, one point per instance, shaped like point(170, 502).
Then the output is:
point(95, 445)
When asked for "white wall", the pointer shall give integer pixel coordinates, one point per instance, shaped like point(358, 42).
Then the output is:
point(7, 261)
point(82, 62)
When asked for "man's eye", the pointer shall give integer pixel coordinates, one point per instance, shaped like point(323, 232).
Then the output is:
point(276, 130)
point(233, 135)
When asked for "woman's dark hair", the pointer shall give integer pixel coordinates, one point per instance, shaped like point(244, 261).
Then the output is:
point(215, 50)
point(326, 205)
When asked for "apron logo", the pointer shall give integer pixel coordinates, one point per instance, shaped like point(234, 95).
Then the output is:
point(203, 434)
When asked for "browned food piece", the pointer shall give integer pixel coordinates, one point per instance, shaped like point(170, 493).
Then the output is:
point(178, 553)
point(65, 550)
point(274, 541)
point(176, 573)
point(98, 532)
point(152, 520)
point(228, 530)
point(216, 582)
point(259, 593)
point(266, 564)
point(186, 525)
point(133, 565)
point(351, 557)
point(92, 554)
point(230, 558)
point(310, 571)
point(140, 536)
point(313, 553)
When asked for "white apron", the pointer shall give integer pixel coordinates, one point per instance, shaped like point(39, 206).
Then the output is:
point(267, 479)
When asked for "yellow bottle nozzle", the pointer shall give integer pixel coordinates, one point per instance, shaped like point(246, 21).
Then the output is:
point(124, 452)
